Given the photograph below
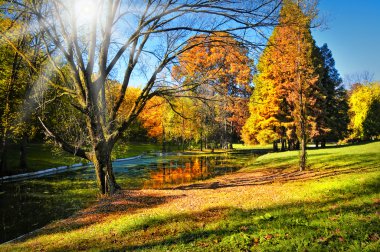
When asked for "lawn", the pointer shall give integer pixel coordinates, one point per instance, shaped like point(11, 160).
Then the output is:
point(267, 206)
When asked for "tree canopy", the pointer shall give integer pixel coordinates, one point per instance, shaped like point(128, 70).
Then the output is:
point(96, 40)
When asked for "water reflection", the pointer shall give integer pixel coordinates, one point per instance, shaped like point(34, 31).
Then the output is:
point(187, 170)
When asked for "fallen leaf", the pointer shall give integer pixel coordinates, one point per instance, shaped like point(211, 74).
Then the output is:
point(268, 236)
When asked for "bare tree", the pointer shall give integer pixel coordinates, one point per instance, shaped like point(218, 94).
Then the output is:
point(89, 42)
point(358, 78)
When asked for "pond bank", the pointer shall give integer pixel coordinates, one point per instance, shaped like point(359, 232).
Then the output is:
point(30, 204)
point(52, 171)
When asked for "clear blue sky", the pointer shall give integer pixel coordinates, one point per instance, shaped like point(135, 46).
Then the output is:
point(353, 35)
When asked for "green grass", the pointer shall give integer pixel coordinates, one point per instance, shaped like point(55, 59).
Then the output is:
point(39, 157)
point(252, 147)
point(361, 156)
point(323, 211)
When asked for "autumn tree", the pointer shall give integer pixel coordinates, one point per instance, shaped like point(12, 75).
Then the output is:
point(364, 112)
point(264, 123)
point(98, 39)
point(171, 121)
point(287, 87)
point(221, 64)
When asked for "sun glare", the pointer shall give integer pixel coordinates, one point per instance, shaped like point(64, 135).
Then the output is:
point(84, 12)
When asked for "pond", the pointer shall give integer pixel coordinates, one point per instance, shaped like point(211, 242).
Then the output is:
point(30, 204)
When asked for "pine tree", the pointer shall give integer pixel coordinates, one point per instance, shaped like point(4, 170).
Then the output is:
point(335, 106)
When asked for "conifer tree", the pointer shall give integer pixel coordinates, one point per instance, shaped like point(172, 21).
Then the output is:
point(287, 87)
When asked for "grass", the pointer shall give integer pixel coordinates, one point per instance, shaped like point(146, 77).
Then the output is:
point(267, 206)
point(44, 156)
point(361, 156)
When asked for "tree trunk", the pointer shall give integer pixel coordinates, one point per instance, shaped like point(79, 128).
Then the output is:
point(283, 143)
point(4, 154)
point(23, 154)
point(201, 141)
point(316, 143)
point(303, 153)
point(275, 146)
point(104, 171)
point(163, 140)
point(297, 145)
point(323, 143)
point(290, 144)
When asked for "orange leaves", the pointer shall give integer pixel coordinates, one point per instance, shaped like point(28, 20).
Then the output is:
point(216, 57)
point(287, 81)
point(152, 117)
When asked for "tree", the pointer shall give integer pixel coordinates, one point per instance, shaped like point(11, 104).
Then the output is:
point(93, 38)
point(264, 122)
point(364, 112)
point(333, 119)
point(16, 82)
point(173, 120)
point(222, 65)
point(287, 87)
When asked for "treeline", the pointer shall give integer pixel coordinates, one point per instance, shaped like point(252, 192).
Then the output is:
point(298, 94)
point(211, 94)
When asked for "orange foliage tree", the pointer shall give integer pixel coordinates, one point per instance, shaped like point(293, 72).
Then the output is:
point(220, 69)
point(287, 97)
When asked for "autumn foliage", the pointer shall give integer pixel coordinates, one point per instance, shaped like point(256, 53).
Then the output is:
point(219, 69)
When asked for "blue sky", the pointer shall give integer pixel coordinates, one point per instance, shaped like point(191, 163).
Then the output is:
point(353, 35)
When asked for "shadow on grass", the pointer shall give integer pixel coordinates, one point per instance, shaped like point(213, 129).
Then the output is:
point(124, 201)
point(322, 225)
point(341, 219)
point(269, 176)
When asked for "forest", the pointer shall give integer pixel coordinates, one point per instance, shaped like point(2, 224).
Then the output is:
point(98, 81)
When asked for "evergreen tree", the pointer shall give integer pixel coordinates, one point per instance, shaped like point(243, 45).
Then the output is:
point(335, 109)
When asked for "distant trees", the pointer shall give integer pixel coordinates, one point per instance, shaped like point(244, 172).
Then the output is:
point(219, 68)
point(17, 78)
point(365, 112)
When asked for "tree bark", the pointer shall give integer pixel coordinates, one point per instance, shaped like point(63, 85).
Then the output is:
point(163, 139)
point(283, 144)
point(275, 146)
point(104, 172)
point(23, 153)
point(201, 141)
point(303, 153)
point(323, 143)
point(4, 154)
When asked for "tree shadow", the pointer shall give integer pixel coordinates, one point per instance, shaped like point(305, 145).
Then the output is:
point(126, 201)
point(294, 219)
point(218, 222)
point(269, 176)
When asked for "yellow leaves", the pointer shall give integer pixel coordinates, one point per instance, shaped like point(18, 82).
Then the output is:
point(362, 103)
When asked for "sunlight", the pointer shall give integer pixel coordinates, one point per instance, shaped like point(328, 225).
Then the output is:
point(84, 12)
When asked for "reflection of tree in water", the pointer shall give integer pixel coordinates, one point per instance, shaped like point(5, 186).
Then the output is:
point(187, 170)
point(178, 172)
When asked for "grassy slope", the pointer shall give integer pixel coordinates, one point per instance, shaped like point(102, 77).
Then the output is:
point(268, 206)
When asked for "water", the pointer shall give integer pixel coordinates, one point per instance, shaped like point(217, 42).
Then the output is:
point(30, 204)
